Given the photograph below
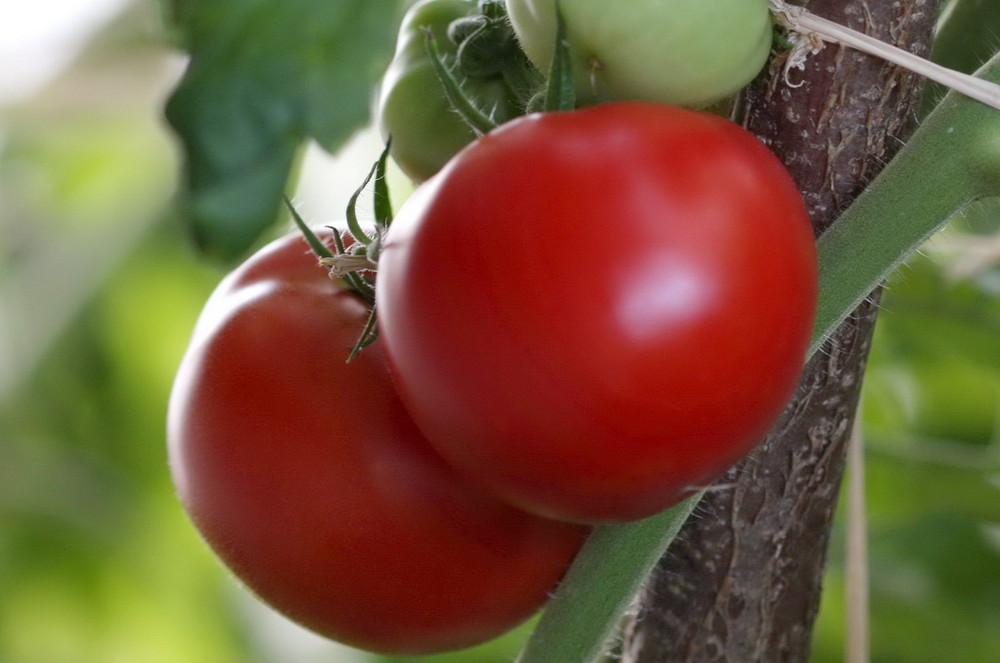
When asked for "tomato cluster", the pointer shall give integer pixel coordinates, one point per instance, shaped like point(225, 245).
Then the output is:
point(583, 317)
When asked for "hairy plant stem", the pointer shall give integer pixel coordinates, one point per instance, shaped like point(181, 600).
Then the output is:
point(952, 161)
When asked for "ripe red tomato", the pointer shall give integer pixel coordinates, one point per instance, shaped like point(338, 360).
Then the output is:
point(593, 312)
point(309, 480)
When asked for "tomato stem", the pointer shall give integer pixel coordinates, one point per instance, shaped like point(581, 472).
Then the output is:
point(347, 263)
point(815, 30)
point(361, 286)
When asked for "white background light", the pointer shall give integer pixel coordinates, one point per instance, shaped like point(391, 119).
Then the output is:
point(40, 37)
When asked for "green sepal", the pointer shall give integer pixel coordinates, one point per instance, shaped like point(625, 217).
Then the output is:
point(317, 246)
point(382, 201)
point(560, 93)
point(368, 335)
point(478, 121)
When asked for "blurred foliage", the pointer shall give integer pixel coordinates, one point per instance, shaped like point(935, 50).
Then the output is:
point(931, 408)
point(98, 291)
point(263, 77)
point(967, 37)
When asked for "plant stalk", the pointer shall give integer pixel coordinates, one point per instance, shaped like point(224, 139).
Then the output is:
point(951, 161)
point(817, 29)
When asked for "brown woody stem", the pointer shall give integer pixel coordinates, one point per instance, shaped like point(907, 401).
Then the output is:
point(817, 29)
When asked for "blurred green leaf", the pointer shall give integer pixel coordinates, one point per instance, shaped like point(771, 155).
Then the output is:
point(982, 217)
point(942, 560)
point(263, 77)
point(967, 37)
point(932, 423)
point(97, 561)
point(968, 34)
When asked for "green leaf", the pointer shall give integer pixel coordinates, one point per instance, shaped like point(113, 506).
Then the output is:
point(967, 35)
point(263, 77)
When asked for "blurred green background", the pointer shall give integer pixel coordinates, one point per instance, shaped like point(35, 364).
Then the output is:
point(99, 289)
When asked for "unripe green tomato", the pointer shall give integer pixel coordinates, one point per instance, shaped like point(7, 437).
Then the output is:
point(412, 107)
point(682, 52)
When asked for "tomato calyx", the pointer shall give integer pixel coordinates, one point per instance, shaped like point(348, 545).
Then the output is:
point(354, 262)
point(345, 264)
point(487, 48)
point(477, 119)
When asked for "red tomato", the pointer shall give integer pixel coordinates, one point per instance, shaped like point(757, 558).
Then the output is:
point(592, 313)
point(307, 477)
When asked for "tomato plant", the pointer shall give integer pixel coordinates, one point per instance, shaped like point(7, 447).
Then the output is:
point(413, 110)
point(309, 480)
point(636, 293)
point(686, 52)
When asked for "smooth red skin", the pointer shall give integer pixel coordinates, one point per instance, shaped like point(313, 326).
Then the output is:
point(593, 313)
point(310, 481)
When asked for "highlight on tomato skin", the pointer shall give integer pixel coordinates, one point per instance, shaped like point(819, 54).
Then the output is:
point(637, 292)
point(309, 480)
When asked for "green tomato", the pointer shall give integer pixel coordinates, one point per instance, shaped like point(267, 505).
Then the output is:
point(683, 52)
point(412, 108)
